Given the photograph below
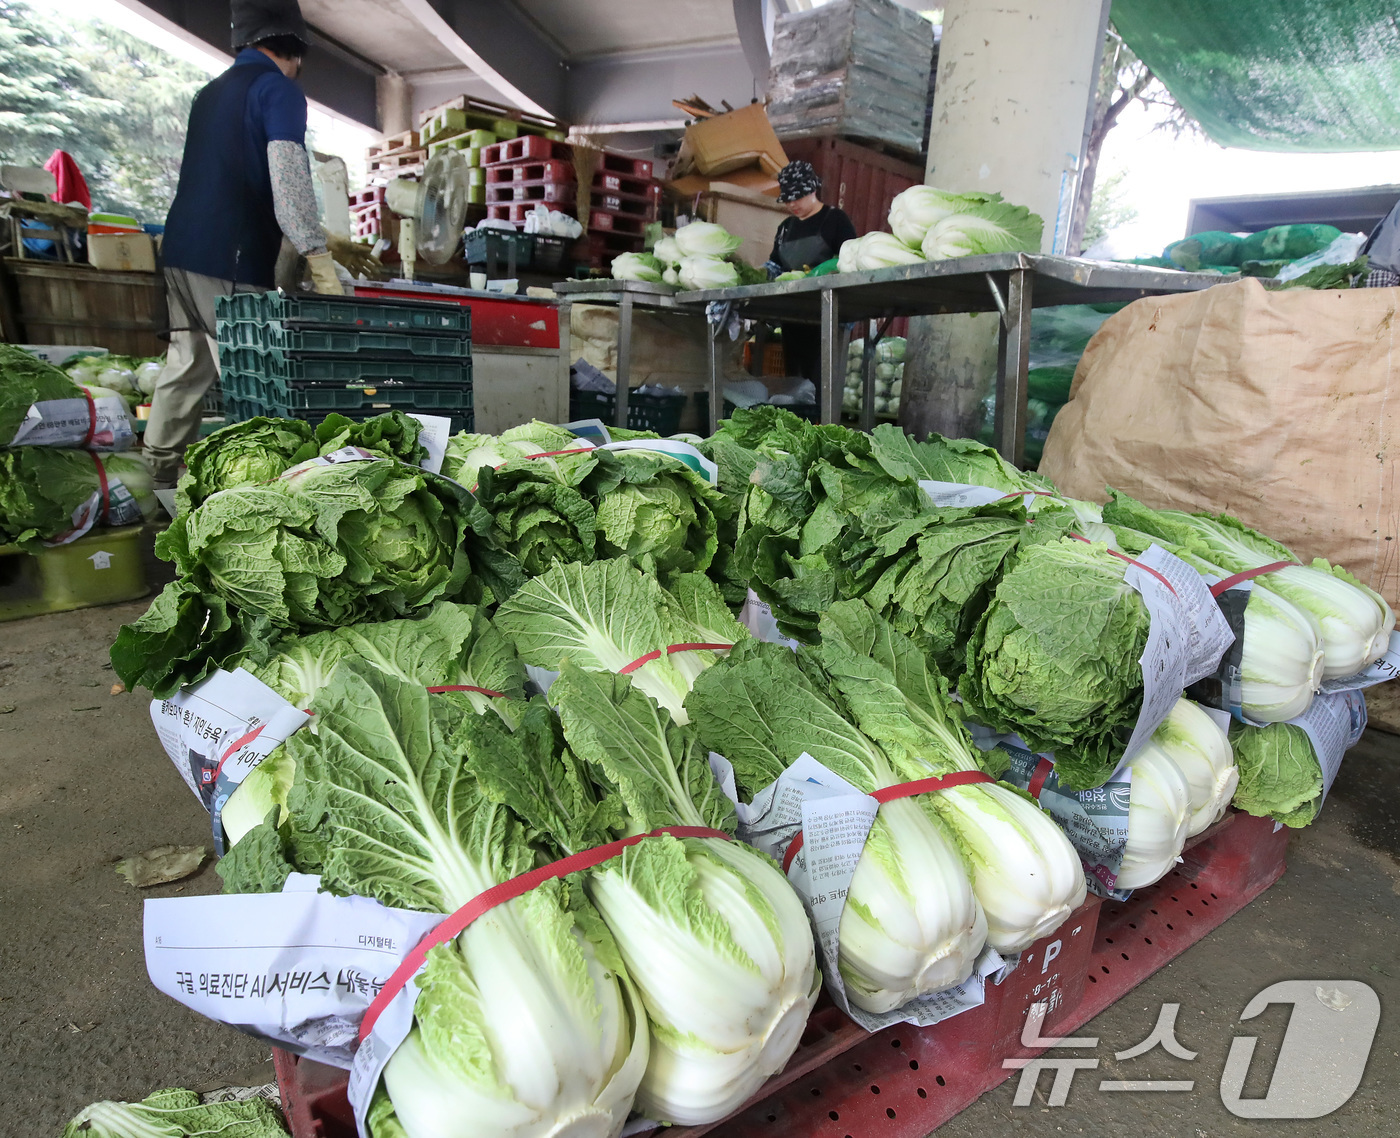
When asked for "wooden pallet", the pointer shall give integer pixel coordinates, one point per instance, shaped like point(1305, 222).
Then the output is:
point(393, 143)
point(485, 109)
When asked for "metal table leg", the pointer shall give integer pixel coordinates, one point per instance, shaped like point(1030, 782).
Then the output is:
point(712, 335)
point(1013, 363)
point(624, 357)
point(566, 351)
point(831, 371)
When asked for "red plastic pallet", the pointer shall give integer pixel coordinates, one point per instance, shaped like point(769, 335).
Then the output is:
point(558, 193)
point(627, 167)
point(620, 184)
point(553, 170)
point(618, 222)
point(904, 1082)
point(370, 195)
point(526, 146)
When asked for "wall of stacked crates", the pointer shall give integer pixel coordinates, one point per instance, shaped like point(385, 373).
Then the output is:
point(307, 357)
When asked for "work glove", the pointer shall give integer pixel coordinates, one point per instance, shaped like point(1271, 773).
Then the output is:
point(358, 258)
point(323, 274)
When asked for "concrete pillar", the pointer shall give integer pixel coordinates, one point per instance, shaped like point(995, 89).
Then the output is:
point(395, 99)
point(1011, 103)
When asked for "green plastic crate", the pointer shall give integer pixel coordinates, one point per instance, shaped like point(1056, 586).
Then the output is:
point(278, 393)
point(315, 310)
point(276, 364)
point(240, 409)
point(294, 338)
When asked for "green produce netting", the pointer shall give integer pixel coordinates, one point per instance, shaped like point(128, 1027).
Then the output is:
point(1315, 75)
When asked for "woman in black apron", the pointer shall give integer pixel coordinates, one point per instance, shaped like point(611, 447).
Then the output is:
point(813, 234)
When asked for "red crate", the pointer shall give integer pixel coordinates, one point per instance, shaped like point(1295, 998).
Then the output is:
point(621, 164)
point(612, 221)
point(553, 170)
point(904, 1081)
point(534, 146)
point(553, 193)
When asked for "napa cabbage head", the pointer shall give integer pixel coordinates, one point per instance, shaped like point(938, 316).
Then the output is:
point(996, 227)
point(916, 210)
point(1280, 776)
point(1354, 621)
point(1201, 750)
point(705, 239)
point(1055, 657)
point(668, 252)
point(637, 267)
point(883, 251)
point(1159, 817)
point(702, 271)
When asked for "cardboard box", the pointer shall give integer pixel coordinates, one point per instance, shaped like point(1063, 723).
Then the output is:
point(122, 252)
point(750, 178)
point(745, 214)
point(730, 142)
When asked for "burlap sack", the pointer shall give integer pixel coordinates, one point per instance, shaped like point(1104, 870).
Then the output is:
point(1277, 407)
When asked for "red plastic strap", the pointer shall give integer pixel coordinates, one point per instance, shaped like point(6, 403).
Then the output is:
point(102, 482)
point(1041, 773)
point(1130, 561)
point(239, 743)
point(671, 650)
point(904, 790)
point(469, 687)
point(92, 418)
point(451, 927)
point(1023, 493)
point(1249, 575)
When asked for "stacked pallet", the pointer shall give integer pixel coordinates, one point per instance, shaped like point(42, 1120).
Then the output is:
point(623, 199)
point(397, 156)
point(305, 357)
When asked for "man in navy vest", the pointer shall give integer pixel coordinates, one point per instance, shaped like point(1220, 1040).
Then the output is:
point(245, 183)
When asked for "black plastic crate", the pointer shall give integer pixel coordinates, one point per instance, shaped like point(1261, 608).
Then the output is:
point(495, 248)
point(809, 411)
point(237, 410)
point(275, 364)
point(295, 338)
point(290, 397)
point(659, 413)
point(314, 310)
point(549, 252)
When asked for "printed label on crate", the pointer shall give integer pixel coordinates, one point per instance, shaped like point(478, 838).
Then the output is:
point(1386, 668)
point(220, 729)
point(1095, 821)
point(683, 452)
point(757, 617)
point(835, 818)
point(1333, 724)
point(99, 423)
point(298, 968)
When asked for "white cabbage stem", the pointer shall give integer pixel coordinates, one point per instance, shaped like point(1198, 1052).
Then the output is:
point(1159, 814)
point(912, 924)
point(1201, 750)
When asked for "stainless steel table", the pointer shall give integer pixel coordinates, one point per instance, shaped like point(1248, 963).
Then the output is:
point(626, 295)
point(1006, 283)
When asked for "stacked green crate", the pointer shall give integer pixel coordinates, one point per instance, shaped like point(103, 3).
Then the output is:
point(306, 356)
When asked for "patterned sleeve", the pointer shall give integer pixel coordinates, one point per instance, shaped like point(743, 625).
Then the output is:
point(294, 197)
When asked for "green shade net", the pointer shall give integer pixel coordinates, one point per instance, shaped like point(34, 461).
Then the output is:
point(1320, 75)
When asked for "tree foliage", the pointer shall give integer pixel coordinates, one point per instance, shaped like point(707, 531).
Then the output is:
point(1123, 80)
point(118, 105)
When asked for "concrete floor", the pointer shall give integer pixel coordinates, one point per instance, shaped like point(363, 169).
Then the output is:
point(83, 783)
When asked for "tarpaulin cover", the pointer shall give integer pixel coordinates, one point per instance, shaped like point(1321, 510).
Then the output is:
point(1319, 75)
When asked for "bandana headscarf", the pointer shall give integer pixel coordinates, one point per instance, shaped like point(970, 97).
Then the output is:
point(797, 180)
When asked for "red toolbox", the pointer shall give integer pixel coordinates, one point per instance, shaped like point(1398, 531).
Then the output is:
point(904, 1081)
